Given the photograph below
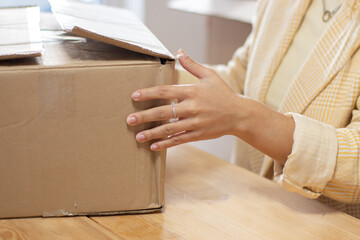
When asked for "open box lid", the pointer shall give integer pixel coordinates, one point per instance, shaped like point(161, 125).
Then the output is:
point(115, 26)
point(20, 32)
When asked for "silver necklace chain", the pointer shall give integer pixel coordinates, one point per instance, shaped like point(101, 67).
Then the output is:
point(327, 14)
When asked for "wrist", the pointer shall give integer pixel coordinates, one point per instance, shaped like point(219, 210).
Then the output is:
point(265, 129)
point(247, 114)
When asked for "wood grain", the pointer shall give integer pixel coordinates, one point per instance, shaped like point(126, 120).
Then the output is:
point(53, 228)
point(208, 198)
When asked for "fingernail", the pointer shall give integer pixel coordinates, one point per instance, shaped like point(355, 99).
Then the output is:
point(154, 147)
point(140, 137)
point(180, 53)
point(131, 120)
point(135, 95)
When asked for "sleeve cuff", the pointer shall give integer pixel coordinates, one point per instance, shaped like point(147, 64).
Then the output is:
point(311, 164)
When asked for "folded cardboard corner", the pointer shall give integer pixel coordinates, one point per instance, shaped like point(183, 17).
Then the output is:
point(115, 26)
point(65, 147)
point(20, 32)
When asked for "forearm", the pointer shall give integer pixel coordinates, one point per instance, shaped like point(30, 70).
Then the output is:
point(265, 129)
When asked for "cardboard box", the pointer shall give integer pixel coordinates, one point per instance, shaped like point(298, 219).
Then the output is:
point(65, 147)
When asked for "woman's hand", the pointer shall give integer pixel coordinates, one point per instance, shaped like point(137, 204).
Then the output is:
point(205, 110)
point(210, 109)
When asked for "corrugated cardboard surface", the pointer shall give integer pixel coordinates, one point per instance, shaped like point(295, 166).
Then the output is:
point(20, 32)
point(65, 147)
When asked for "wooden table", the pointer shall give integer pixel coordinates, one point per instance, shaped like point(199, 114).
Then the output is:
point(207, 198)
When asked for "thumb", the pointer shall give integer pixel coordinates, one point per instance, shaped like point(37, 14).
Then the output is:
point(191, 65)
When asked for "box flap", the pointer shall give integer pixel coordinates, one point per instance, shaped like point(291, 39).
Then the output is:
point(20, 32)
point(110, 25)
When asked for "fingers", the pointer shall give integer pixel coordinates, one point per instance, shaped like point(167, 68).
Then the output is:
point(163, 131)
point(155, 114)
point(174, 91)
point(175, 140)
point(160, 92)
point(192, 66)
point(171, 134)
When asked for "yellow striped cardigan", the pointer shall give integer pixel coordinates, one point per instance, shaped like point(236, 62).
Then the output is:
point(323, 99)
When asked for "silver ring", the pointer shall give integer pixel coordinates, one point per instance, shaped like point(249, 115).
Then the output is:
point(175, 119)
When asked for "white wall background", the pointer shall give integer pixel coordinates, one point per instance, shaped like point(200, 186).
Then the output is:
point(44, 4)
